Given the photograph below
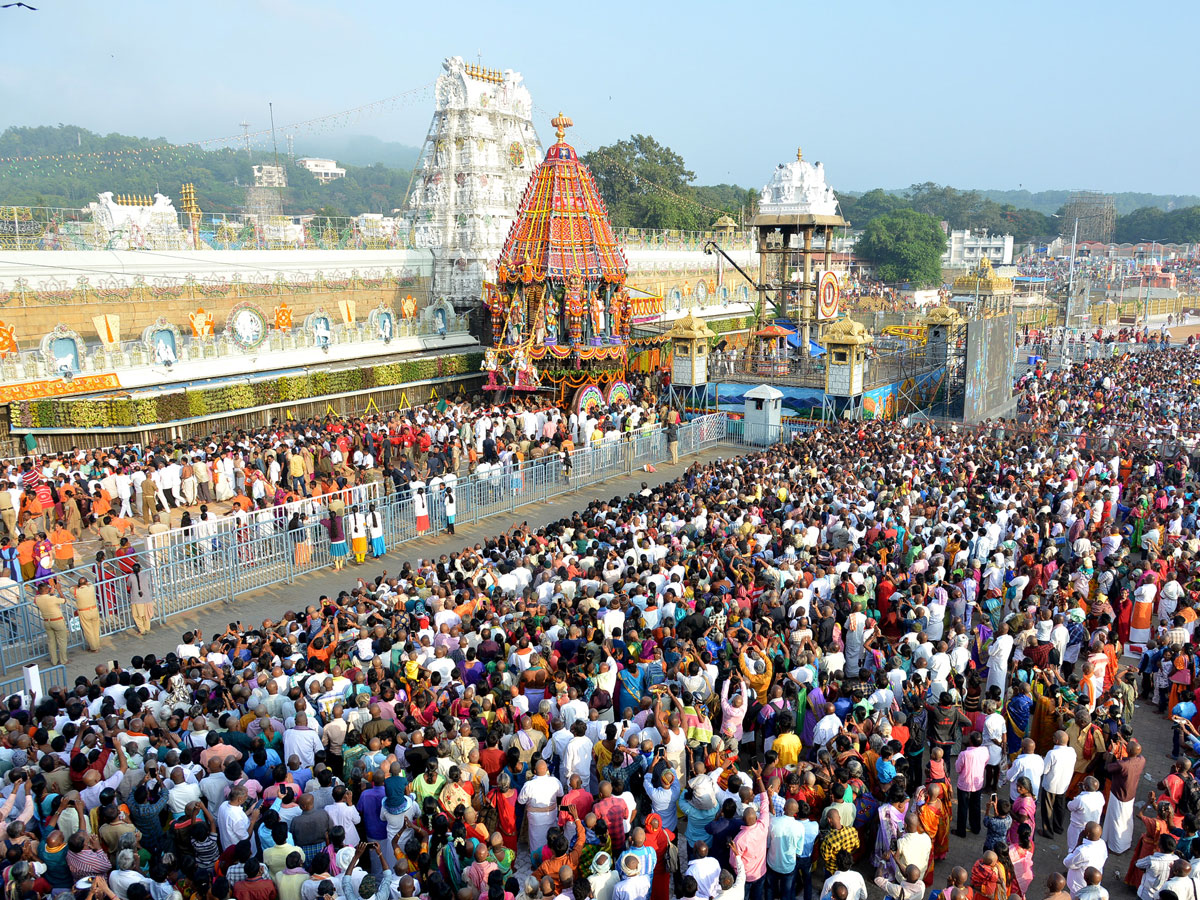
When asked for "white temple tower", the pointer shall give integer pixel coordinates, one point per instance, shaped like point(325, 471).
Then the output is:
point(477, 158)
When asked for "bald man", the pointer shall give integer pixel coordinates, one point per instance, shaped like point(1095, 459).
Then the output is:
point(1091, 853)
point(1125, 774)
point(1056, 780)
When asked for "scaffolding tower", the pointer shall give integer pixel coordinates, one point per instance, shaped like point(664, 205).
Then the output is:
point(1095, 212)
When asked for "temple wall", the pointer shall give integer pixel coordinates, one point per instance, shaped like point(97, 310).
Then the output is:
point(40, 290)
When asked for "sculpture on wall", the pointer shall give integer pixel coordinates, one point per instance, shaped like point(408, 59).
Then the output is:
point(246, 326)
point(202, 323)
point(8, 339)
point(163, 341)
point(319, 326)
point(381, 323)
point(283, 317)
point(575, 307)
point(108, 328)
point(63, 351)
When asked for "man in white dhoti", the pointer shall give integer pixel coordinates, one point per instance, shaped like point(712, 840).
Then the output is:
point(1091, 853)
point(998, 654)
point(1125, 775)
point(1088, 806)
point(856, 634)
point(577, 757)
point(540, 796)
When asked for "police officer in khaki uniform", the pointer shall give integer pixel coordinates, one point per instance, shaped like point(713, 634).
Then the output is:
point(149, 500)
point(89, 614)
point(55, 623)
point(8, 514)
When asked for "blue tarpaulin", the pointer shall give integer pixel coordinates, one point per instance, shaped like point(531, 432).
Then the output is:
point(795, 340)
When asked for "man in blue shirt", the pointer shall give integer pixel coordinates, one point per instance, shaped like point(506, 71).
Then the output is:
point(784, 842)
point(885, 770)
point(804, 851)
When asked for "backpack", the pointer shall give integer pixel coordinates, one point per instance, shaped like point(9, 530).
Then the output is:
point(918, 731)
point(489, 816)
point(1189, 801)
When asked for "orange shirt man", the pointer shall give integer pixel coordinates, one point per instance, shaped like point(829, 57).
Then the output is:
point(64, 545)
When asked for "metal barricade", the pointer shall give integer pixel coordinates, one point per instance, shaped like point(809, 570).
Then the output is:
point(217, 561)
point(52, 677)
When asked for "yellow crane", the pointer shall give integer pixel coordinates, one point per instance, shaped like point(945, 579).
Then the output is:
point(915, 333)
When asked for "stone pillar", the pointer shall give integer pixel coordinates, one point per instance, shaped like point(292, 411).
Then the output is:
point(806, 305)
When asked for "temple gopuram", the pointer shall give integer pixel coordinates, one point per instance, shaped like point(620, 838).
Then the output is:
point(560, 311)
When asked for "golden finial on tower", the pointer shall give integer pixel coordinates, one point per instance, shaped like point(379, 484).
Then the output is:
point(561, 123)
point(799, 154)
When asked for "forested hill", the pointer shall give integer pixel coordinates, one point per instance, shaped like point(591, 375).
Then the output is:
point(71, 165)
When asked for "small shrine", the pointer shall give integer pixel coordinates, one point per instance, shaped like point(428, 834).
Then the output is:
point(689, 340)
point(942, 333)
point(846, 342)
point(981, 292)
point(559, 310)
point(771, 356)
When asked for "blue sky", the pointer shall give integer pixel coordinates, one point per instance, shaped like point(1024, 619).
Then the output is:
point(1033, 94)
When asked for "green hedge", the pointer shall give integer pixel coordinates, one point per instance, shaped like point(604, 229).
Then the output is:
point(127, 412)
point(724, 326)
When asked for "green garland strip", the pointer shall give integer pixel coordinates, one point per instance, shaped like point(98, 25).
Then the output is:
point(129, 412)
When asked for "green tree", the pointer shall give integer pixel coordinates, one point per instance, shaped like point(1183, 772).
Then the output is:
point(646, 185)
point(877, 202)
point(904, 246)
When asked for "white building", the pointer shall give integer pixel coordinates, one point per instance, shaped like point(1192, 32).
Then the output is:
point(798, 188)
point(270, 176)
point(965, 248)
point(325, 170)
point(478, 156)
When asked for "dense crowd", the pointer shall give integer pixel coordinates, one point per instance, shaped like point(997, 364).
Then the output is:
point(795, 672)
point(1144, 395)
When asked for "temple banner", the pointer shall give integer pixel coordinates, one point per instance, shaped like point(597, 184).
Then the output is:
point(41, 390)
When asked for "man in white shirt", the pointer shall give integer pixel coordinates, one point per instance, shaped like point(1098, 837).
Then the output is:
point(183, 793)
point(577, 757)
point(232, 822)
point(1027, 764)
point(1059, 770)
point(1088, 806)
point(343, 812)
point(827, 727)
point(540, 798)
point(850, 881)
point(301, 741)
point(635, 885)
point(995, 734)
point(1092, 852)
point(706, 871)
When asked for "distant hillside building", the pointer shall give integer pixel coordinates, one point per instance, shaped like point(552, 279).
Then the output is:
point(325, 170)
point(270, 176)
point(964, 249)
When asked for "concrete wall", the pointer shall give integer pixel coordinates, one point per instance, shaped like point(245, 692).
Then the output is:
point(41, 311)
point(40, 289)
